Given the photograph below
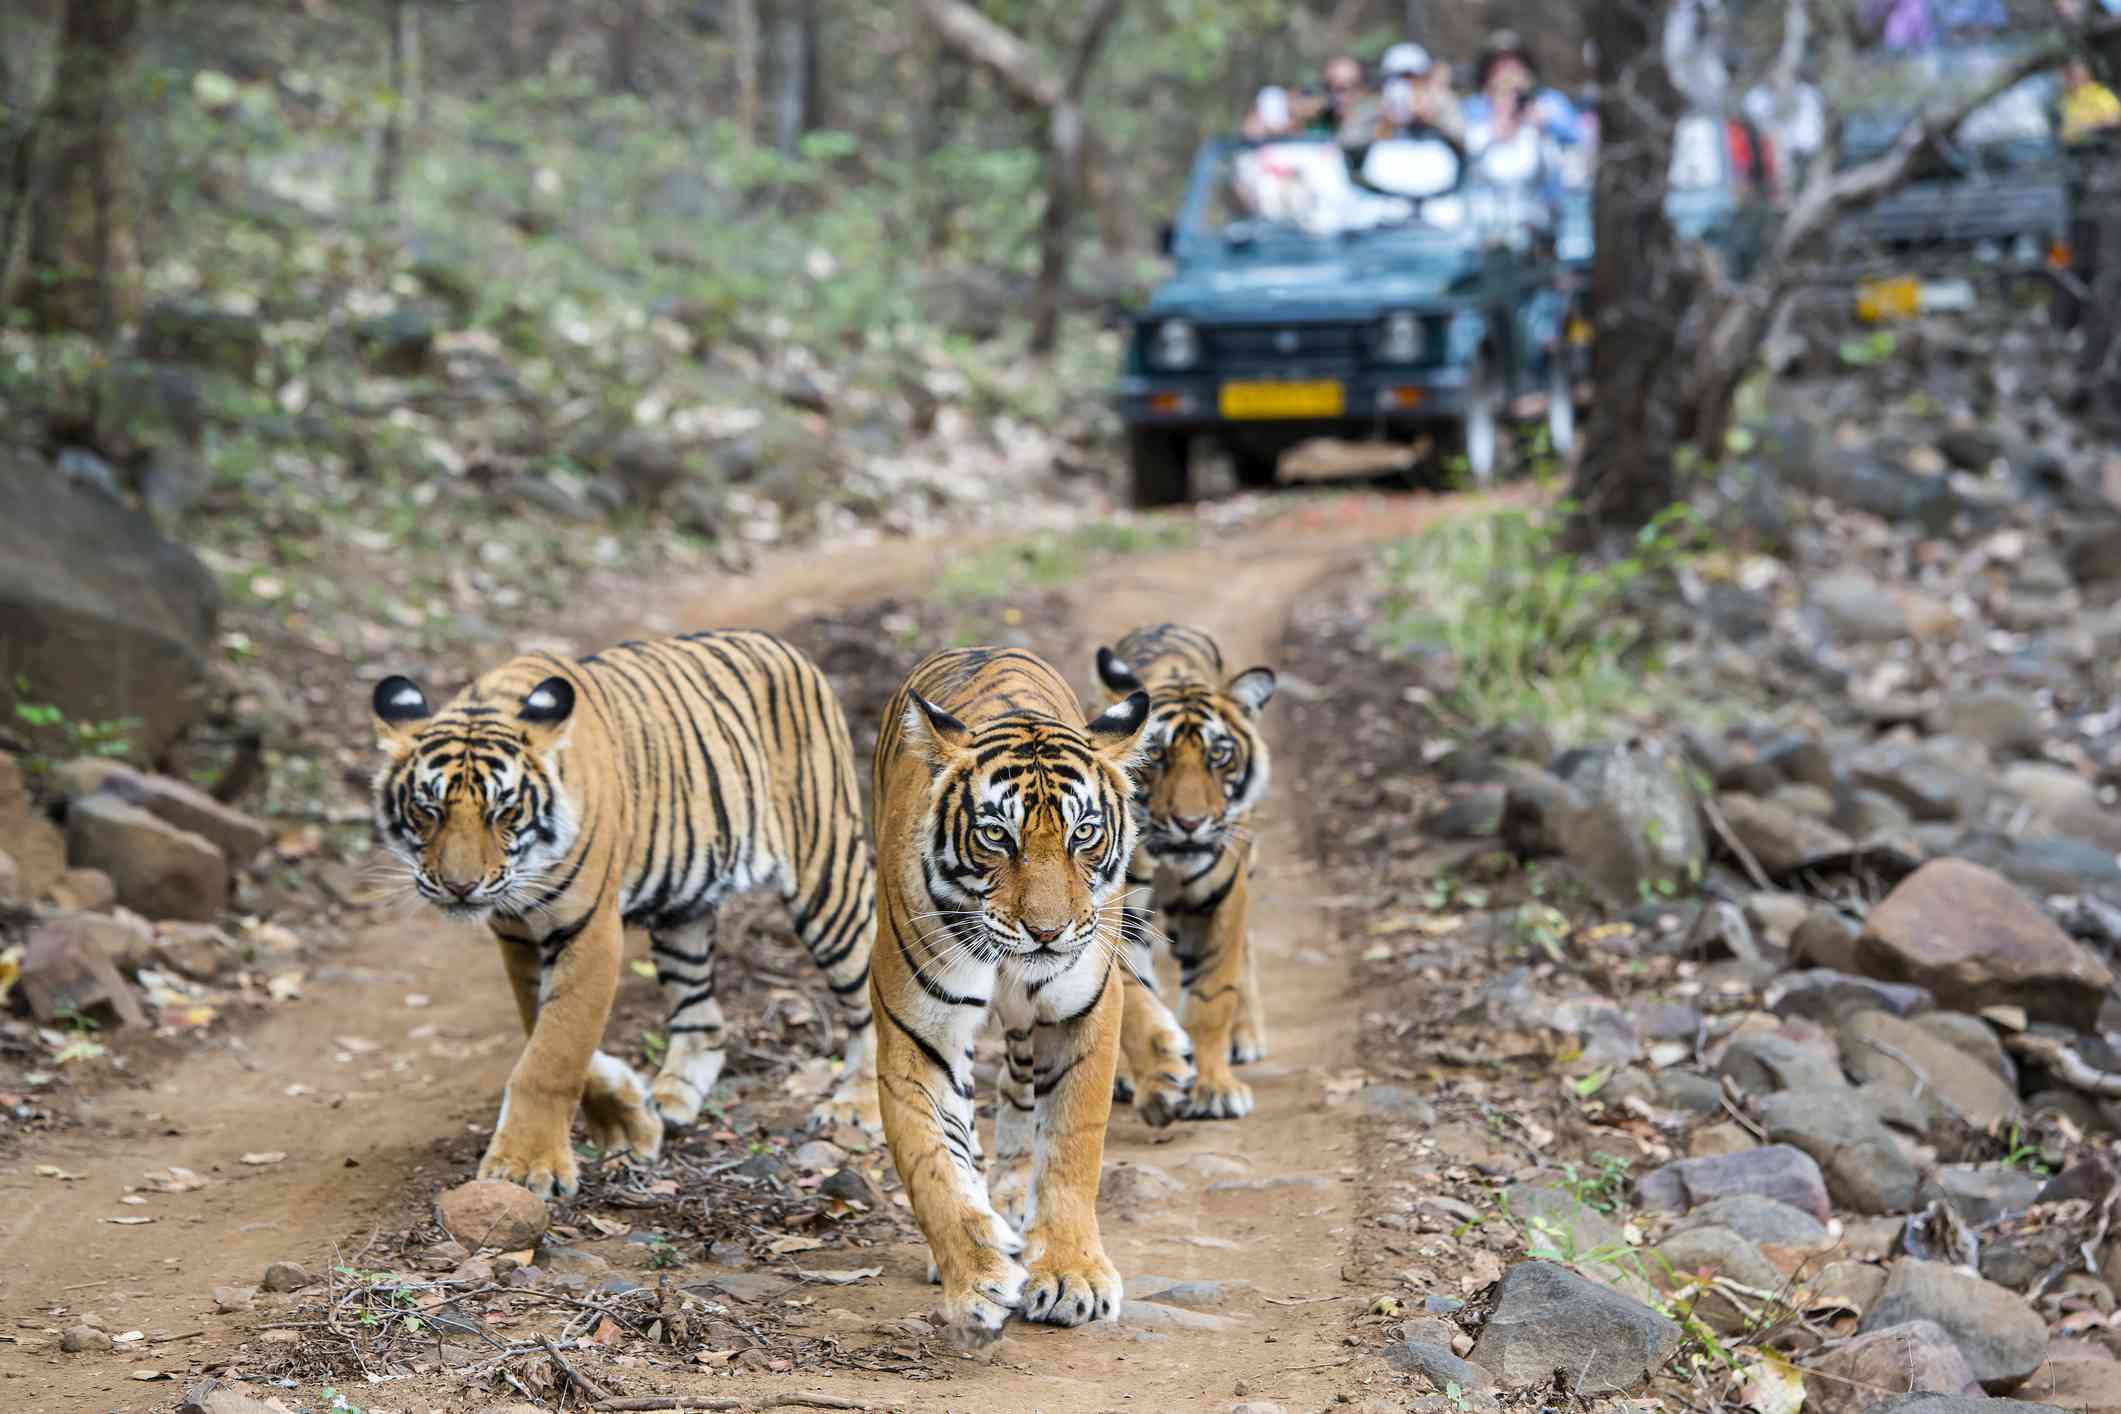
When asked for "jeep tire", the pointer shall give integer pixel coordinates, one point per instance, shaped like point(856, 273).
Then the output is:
point(1158, 459)
point(1253, 468)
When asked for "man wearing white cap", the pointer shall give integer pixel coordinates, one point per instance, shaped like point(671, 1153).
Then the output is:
point(1416, 93)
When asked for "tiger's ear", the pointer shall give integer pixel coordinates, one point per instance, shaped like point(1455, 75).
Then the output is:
point(1253, 688)
point(547, 714)
point(1113, 672)
point(1116, 732)
point(400, 707)
point(933, 734)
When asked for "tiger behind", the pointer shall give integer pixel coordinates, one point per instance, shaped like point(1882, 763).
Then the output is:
point(1003, 836)
point(640, 786)
point(1204, 768)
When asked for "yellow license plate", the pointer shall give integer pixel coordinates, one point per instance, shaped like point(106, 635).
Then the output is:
point(1897, 298)
point(1321, 398)
point(1579, 332)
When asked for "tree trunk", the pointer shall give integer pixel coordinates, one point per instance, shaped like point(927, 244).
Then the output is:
point(1064, 165)
point(1640, 290)
point(81, 265)
point(794, 68)
point(744, 59)
point(390, 149)
point(623, 23)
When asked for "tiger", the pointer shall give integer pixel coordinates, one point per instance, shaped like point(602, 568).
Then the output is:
point(1204, 770)
point(1003, 836)
point(562, 801)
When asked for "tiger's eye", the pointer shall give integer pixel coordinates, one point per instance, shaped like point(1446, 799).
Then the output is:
point(994, 836)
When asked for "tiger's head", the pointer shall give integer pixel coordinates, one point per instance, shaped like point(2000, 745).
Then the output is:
point(470, 800)
point(1204, 762)
point(1026, 835)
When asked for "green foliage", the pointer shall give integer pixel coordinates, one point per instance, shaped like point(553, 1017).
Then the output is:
point(663, 1254)
point(2028, 1156)
point(1055, 557)
point(1533, 631)
point(49, 725)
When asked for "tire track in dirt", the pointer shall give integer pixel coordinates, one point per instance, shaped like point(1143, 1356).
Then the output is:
point(374, 1132)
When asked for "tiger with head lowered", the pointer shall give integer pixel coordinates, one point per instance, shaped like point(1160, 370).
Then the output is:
point(1204, 769)
point(1003, 836)
point(563, 801)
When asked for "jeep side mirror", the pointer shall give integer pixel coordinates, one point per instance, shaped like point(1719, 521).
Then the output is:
point(1166, 237)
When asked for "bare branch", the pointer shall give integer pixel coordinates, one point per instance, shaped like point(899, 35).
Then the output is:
point(1019, 67)
point(1089, 43)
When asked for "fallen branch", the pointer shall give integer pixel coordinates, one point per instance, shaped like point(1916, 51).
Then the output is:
point(2069, 1067)
point(1736, 846)
point(636, 1404)
point(575, 1377)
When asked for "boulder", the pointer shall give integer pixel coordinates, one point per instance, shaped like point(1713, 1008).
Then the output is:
point(1777, 838)
point(1779, 1171)
point(1920, 780)
point(197, 333)
point(159, 870)
point(1973, 939)
point(1758, 1219)
point(1534, 804)
point(33, 842)
point(489, 1213)
point(2093, 552)
point(100, 615)
point(1803, 798)
point(1963, 1404)
point(1825, 939)
point(2064, 803)
point(238, 836)
point(1715, 1252)
point(1973, 1038)
point(69, 966)
point(1556, 1223)
point(1865, 1373)
point(399, 342)
point(1762, 1062)
point(1639, 824)
point(2003, 1339)
point(2004, 723)
point(1855, 608)
point(1866, 1166)
point(1823, 995)
point(2046, 864)
point(1981, 1193)
point(1903, 1056)
point(1439, 1366)
point(1547, 1318)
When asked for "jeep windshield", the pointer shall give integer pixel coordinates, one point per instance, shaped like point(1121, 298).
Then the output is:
point(1307, 190)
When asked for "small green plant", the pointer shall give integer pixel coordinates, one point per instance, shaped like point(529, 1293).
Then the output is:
point(1055, 557)
point(1453, 1392)
point(1532, 630)
point(663, 1254)
point(653, 1045)
point(2021, 1155)
point(1602, 1186)
point(49, 723)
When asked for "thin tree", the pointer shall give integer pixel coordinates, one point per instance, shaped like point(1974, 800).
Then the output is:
point(80, 267)
point(1028, 76)
point(403, 66)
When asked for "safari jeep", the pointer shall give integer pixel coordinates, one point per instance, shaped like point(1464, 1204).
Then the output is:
point(1380, 298)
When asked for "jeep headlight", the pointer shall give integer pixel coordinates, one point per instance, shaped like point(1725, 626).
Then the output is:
point(1399, 338)
point(1174, 344)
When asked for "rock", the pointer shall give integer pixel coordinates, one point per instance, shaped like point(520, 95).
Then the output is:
point(1974, 940)
point(205, 1398)
point(82, 890)
point(1196, 1294)
point(1826, 939)
point(1865, 1165)
point(99, 614)
point(1903, 1056)
point(1472, 814)
point(1868, 814)
point(2020, 1252)
point(1555, 1218)
point(1775, 916)
point(1762, 1062)
point(237, 835)
point(1916, 1356)
point(1802, 761)
point(1779, 839)
point(69, 966)
point(1778, 1171)
point(159, 870)
point(1826, 996)
point(76, 1340)
point(1926, 785)
point(1981, 1193)
point(1855, 608)
point(151, 418)
point(2002, 1338)
point(233, 1298)
point(1639, 824)
point(1689, 1091)
point(1534, 804)
point(1715, 1141)
point(1438, 1365)
point(35, 846)
point(489, 1213)
point(2064, 803)
point(1136, 1187)
point(197, 333)
point(2043, 865)
point(2093, 552)
point(10, 878)
point(763, 1167)
point(1961, 1404)
point(1715, 1251)
point(1397, 1102)
point(1758, 1219)
point(1151, 1314)
point(1803, 798)
point(286, 1276)
point(1973, 1038)
point(2087, 1384)
point(1547, 1318)
point(851, 1185)
point(2005, 723)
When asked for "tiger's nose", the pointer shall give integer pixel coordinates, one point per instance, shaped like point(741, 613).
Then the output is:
point(1189, 824)
point(462, 891)
point(1042, 936)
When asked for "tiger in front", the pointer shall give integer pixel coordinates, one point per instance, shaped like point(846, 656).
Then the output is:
point(1003, 836)
point(1204, 770)
point(562, 801)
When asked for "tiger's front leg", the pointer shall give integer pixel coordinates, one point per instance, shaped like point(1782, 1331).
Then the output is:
point(1156, 1055)
point(1215, 976)
point(924, 1086)
point(573, 996)
point(1076, 1050)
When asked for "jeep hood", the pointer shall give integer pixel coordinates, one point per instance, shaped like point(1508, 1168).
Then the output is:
point(1290, 282)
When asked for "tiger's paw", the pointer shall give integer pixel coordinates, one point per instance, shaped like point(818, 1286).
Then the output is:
point(1219, 1097)
point(1122, 1090)
point(854, 1102)
point(544, 1166)
point(1166, 1090)
point(1246, 1047)
point(616, 1112)
point(1071, 1293)
point(1012, 1194)
point(974, 1312)
point(683, 1084)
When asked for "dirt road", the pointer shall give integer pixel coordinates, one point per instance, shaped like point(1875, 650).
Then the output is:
point(376, 1085)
